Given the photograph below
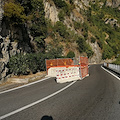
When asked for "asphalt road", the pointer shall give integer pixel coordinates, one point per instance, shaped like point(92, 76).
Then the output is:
point(97, 97)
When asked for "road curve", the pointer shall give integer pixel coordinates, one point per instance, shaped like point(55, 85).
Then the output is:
point(97, 97)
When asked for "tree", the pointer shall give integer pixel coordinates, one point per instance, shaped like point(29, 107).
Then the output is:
point(70, 54)
point(40, 43)
point(61, 15)
point(93, 39)
point(61, 29)
point(107, 52)
point(14, 12)
point(81, 44)
point(60, 3)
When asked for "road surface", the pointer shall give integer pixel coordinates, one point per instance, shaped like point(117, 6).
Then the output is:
point(97, 97)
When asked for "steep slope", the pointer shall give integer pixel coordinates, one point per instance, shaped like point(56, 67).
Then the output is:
point(57, 28)
point(90, 20)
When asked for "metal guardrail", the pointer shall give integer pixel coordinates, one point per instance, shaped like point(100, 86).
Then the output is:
point(113, 67)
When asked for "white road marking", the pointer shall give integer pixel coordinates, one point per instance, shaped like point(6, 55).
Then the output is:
point(24, 85)
point(110, 73)
point(39, 101)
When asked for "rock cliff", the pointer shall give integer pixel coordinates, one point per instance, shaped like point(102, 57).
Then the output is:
point(8, 47)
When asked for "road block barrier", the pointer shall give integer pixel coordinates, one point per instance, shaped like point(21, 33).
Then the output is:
point(83, 61)
point(68, 74)
point(59, 62)
point(84, 71)
point(84, 66)
point(52, 71)
point(65, 70)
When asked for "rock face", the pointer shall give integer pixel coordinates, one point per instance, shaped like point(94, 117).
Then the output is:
point(51, 11)
point(112, 22)
point(97, 57)
point(7, 50)
point(1, 13)
point(113, 3)
point(8, 47)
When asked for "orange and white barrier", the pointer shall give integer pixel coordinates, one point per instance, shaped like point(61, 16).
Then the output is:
point(84, 71)
point(68, 74)
point(65, 70)
point(52, 71)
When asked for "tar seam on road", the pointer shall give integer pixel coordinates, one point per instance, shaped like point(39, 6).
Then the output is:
point(110, 73)
point(39, 101)
point(24, 85)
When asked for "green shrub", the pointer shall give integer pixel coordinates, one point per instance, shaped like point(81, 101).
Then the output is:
point(40, 43)
point(84, 47)
point(18, 65)
point(93, 39)
point(33, 62)
point(60, 3)
point(100, 44)
point(70, 54)
point(89, 51)
point(14, 12)
point(61, 29)
point(38, 27)
point(117, 61)
point(71, 1)
point(81, 43)
point(107, 52)
point(67, 9)
point(25, 64)
point(77, 25)
point(61, 15)
point(54, 51)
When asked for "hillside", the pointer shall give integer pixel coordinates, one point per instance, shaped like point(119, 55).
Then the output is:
point(57, 28)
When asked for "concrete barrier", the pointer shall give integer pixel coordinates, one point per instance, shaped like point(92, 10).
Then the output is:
point(52, 71)
point(68, 74)
point(113, 67)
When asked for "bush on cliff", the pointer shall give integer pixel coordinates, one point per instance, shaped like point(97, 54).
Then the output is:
point(31, 63)
point(25, 64)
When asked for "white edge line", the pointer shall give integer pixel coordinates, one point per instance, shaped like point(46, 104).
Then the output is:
point(39, 101)
point(24, 85)
point(110, 73)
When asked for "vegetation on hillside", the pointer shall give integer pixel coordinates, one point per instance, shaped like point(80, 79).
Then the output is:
point(19, 12)
point(31, 12)
point(96, 19)
point(117, 62)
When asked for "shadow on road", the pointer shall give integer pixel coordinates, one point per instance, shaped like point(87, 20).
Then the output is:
point(47, 118)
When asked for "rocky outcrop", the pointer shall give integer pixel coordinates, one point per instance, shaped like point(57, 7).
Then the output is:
point(113, 3)
point(13, 41)
point(112, 22)
point(97, 57)
point(7, 50)
point(51, 11)
point(1, 13)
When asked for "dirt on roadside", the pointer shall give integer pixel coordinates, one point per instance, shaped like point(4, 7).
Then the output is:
point(8, 84)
